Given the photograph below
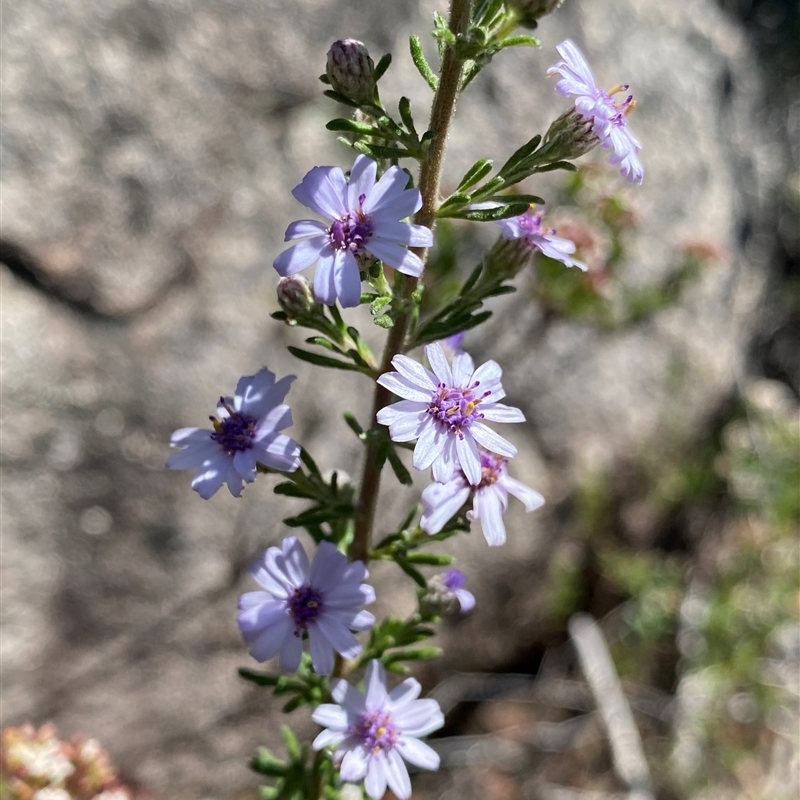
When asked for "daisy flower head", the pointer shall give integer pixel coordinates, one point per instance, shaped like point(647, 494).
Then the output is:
point(529, 226)
point(445, 409)
point(364, 216)
point(373, 731)
point(322, 599)
point(609, 116)
point(244, 434)
point(442, 501)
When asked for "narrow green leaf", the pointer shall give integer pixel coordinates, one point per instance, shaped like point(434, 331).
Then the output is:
point(404, 107)
point(351, 126)
point(431, 559)
point(412, 573)
point(517, 198)
point(352, 423)
point(421, 63)
point(557, 165)
point(398, 467)
point(257, 677)
point(340, 98)
point(382, 66)
point(323, 361)
point(521, 153)
point(455, 199)
point(379, 151)
point(291, 490)
point(520, 41)
point(479, 170)
point(412, 654)
point(493, 214)
point(472, 280)
point(309, 462)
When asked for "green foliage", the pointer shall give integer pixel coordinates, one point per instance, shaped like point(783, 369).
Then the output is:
point(295, 778)
point(304, 687)
point(330, 515)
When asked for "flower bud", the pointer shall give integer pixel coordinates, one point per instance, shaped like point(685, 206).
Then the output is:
point(529, 12)
point(295, 296)
point(445, 594)
point(570, 136)
point(351, 71)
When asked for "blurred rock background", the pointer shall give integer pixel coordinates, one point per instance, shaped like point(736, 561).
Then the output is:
point(148, 152)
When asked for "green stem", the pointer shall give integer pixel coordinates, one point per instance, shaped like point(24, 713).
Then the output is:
point(430, 176)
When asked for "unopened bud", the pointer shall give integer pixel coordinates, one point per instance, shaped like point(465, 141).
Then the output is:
point(350, 70)
point(445, 594)
point(570, 136)
point(529, 12)
point(295, 295)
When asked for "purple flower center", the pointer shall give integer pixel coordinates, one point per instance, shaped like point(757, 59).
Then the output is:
point(617, 111)
point(531, 222)
point(305, 605)
point(352, 231)
point(235, 432)
point(454, 408)
point(454, 579)
point(375, 730)
point(492, 469)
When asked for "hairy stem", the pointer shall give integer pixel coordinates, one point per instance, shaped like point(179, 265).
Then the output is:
point(444, 104)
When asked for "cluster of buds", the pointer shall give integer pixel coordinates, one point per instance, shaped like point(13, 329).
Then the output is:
point(36, 765)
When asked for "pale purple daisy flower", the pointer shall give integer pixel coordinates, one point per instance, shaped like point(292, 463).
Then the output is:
point(441, 501)
point(373, 731)
point(366, 218)
point(444, 410)
point(610, 117)
point(245, 434)
point(528, 226)
point(322, 599)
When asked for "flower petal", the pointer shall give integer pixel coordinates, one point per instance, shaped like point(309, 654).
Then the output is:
point(303, 228)
point(404, 233)
point(419, 718)
point(272, 639)
point(492, 441)
point(417, 753)
point(295, 561)
point(388, 189)
point(342, 641)
point(377, 776)
point(324, 285)
point(323, 190)
point(439, 364)
point(442, 502)
point(488, 508)
point(469, 458)
point(397, 775)
point(403, 694)
point(497, 412)
point(463, 368)
point(415, 372)
point(321, 650)
point(375, 681)
point(354, 764)
point(291, 653)
point(347, 696)
point(347, 279)
point(328, 738)
point(529, 497)
point(362, 180)
point(300, 256)
point(395, 256)
point(403, 387)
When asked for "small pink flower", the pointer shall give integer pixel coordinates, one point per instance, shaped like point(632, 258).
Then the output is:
point(610, 117)
point(441, 501)
point(373, 731)
point(528, 226)
point(444, 411)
